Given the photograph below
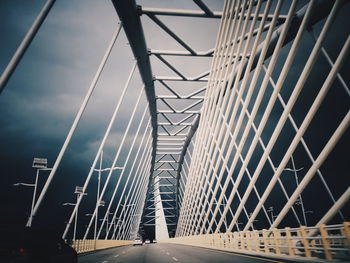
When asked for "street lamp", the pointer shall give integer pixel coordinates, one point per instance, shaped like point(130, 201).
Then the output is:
point(75, 225)
point(272, 215)
point(78, 191)
point(98, 204)
point(250, 215)
point(223, 204)
point(41, 165)
point(102, 203)
point(300, 199)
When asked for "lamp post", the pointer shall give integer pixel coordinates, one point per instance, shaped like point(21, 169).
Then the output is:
point(78, 191)
point(41, 165)
point(271, 212)
point(250, 215)
point(102, 203)
point(75, 220)
point(223, 204)
point(300, 199)
point(98, 195)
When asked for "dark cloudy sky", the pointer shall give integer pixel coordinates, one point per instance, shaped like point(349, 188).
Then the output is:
point(42, 97)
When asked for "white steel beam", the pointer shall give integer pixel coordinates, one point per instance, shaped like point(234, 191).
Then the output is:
point(11, 67)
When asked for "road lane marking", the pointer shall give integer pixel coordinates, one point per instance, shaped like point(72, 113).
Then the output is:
point(116, 256)
point(174, 258)
point(123, 252)
point(105, 261)
point(167, 253)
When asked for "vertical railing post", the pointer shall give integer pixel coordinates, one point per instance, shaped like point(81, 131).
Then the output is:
point(303, 235)
point(325, 242)
point(241, 240)
point(233, 240)
point(256, 240)
point(266, 242)
point(276, 239)
point(346, 232)
point(289, 242)
point(230, 238)
point(248, 238)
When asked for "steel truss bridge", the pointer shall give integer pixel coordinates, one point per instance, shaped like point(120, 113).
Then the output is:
point(242, 156)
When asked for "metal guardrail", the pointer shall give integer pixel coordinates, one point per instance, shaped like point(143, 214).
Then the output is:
point(82, 246)
point(323, 242)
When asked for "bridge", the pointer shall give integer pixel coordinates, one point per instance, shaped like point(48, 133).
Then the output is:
point(233, 135)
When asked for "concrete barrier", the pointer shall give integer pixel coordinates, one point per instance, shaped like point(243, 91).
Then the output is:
point(331, 242)
point(82, 246)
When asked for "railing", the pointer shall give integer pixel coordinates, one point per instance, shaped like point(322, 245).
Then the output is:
point(82, 246)
point(323, 242)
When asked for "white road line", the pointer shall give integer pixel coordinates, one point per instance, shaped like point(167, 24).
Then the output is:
point(123, 252)
point(174, 258)
point(116, 256)
point(168, 253)
point(105, 261)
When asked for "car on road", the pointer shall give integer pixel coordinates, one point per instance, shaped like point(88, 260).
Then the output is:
point(137, 242)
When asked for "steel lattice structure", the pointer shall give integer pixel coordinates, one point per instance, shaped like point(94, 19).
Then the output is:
point(249, 129)
point(218, 164)
point(253, 146)
point(175, 126)
point(239, 133)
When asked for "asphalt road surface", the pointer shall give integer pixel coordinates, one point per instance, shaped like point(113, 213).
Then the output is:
point(164, 253)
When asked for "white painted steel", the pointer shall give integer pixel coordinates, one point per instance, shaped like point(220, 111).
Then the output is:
point(201, 172)
point(11, 66)
point(143, 168)
point(228, 137)
point(75, 123)
point(132, 189)
point(103, 141)
point(116, 188)
point(117, 155)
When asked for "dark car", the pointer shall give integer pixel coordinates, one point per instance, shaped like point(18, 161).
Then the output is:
point(34, 245)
